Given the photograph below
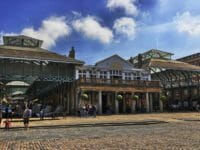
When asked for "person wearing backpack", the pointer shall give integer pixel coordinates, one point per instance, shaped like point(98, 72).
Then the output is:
point(26, 116)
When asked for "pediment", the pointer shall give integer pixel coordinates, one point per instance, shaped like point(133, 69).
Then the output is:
point(115, 62)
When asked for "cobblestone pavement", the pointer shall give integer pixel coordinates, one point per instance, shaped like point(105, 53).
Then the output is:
point(168, 117)
point(174, 135)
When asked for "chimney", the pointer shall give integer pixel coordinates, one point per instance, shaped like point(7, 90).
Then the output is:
point(72, 53)
point(140, 62)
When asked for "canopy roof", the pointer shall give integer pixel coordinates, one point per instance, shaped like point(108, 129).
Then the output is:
point(193, 56)
point(170, 64)
point(17, 83)
point(153, 53)
point(28, 51)
point(17, 93)
point(157, 53)
point(22, 41)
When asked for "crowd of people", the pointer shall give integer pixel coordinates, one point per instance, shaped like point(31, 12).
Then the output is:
point(8, 117)
point(6, 114)
point(86, 110)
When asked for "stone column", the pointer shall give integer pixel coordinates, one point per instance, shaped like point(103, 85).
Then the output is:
point(93, 98)
point(123, 76)
point(160, 103)
point(124, 103)
point(98, 74)
point(116, 104)
point(72, 101)
point(133, 104)
point(87, 74)
point(147, 102)
point(68, 98)
point(77, 74)
point(198, 88)
point(77, 99)
point(108, 74)
point(150, 102)
point(108, 98)
point(100, 102)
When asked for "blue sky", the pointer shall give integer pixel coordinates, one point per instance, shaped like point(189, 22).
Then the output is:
point(98, 29)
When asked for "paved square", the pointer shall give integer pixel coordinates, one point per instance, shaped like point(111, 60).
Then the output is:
point(173, 135)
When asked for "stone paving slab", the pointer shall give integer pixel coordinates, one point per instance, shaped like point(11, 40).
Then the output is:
point(73, 120)
point(92, 125)
point(171, 136)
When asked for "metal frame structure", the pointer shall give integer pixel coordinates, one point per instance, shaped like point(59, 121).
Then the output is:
point(23, 59)
point(180, 81)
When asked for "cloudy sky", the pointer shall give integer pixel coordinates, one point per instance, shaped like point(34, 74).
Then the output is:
point(100, 28)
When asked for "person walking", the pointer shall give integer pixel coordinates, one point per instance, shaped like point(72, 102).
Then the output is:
point(7, 123)
point(26, 117)
point(1, 116)
point(7, 112)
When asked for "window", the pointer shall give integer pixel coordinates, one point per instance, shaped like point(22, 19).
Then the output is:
point(127, 76)
point(103, 74)
point(82, 74)
point(116, 73)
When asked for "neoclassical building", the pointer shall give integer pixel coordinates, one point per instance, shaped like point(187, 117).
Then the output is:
point(113, 76)
point(29, 73)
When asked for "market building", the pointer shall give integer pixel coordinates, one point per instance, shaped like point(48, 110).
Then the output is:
point(180, 80)
point(112, 76)
point(193, 59)
point(29, 73)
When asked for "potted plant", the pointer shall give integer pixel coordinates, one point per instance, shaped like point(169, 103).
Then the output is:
point(135, 97)
point(119, 97)
point(84, 97)
point(163, 98)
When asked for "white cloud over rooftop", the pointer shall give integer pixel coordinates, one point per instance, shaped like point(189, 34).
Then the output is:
point(50, 31)
point(127, 5)
point(186, 23)
point(125, 26)
point(91, 28)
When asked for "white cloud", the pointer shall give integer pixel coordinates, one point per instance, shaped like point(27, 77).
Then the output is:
point(125, 26)
point(51, 30)
point(128, 6)
point(187, 23)
point(92, 29)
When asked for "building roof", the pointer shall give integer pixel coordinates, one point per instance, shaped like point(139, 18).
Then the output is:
point(170, 64)
point(93, 67)
point(22, 41)
point(157, 51)
point(27, 48)
point(189, 57)
point(115, 55)
point(153, 53)
point(17, 83)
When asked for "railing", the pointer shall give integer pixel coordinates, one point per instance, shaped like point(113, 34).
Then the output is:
point(117, 82)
